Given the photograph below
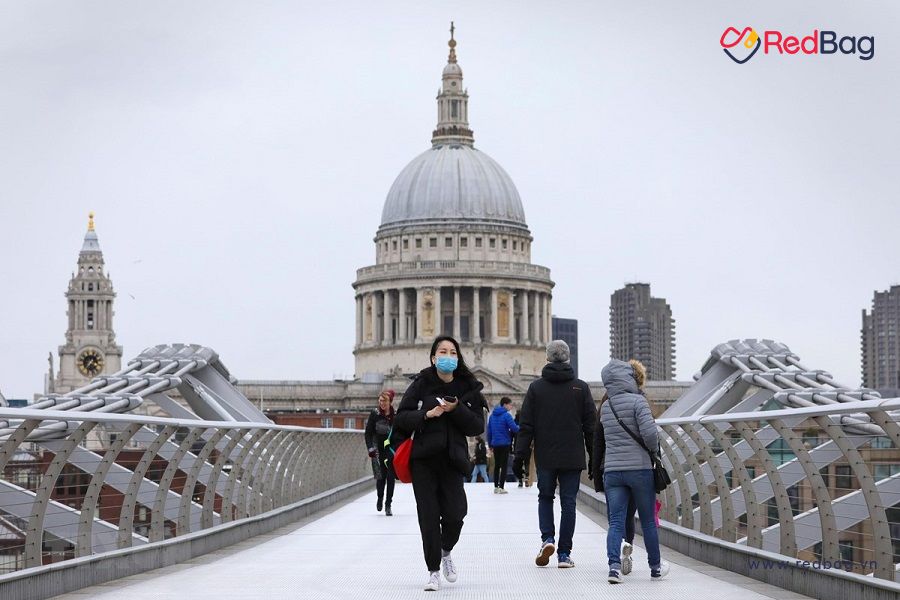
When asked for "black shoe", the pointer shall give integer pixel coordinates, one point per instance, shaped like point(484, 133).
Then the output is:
point(387, 510)
point(378, 505)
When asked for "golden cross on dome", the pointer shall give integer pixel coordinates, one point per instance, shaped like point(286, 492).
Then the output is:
point(91, 221)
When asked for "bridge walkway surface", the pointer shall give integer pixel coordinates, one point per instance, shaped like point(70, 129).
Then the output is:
point(352, 551)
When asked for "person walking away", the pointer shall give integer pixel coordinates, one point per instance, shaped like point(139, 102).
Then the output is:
point(441, 407)
point(480, 461)
point(557, 416)
point(378, 427)
point(627, 466)
point(598, 456)
point(501, 428)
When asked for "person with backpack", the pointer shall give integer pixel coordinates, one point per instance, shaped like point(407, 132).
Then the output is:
point(441, 407)
point(630, 437)
point(480, 461)
point(378, 428)
point(501, 429)
point(558, 416)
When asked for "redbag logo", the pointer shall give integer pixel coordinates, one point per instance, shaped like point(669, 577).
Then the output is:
point(742, 45)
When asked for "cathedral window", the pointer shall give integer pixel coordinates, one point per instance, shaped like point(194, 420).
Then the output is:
point(406, 244)
point(515, 245)
point(493, 243)
point(418, 242)
point(464, 242)
point(454, 108)
point(394, 244)
point(478, 242)
point(432, 242)
point(90, 287)
point(448, 242)
point(503, 244)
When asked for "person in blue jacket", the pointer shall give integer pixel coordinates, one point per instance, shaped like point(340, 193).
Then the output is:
point(501, 428)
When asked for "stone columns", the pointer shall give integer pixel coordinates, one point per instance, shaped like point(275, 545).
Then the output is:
point(359, 321)
point(387, 335)
point(535, 320)
point(438, 317)
point(419, 315)
point(548, 326)
point(493, 335)
point(456, 329)
point(377, 306)
point(402, 333)
point(476, 315)
point(526, 339)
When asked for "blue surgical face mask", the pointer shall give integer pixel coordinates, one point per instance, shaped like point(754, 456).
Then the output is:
point(446, 364)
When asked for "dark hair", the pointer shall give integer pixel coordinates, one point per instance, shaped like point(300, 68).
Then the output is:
point(462, 370)
point(505, 400)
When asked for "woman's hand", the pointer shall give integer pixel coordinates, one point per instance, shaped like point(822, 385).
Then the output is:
point(451, 403)
point(435, 412)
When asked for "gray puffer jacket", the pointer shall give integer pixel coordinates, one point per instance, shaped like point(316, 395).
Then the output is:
point(622, 452)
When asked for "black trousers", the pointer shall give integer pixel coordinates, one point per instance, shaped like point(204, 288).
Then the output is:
point(501, 458)
point(441, 506)
point(387, 479)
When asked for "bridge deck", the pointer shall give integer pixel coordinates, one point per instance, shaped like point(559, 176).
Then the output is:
point(354, 552)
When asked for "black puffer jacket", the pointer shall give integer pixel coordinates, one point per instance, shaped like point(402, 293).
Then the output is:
point(558, 415)
point(447, 434)
point(378, 427)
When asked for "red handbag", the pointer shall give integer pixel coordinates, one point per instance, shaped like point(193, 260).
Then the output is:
point(401, 461)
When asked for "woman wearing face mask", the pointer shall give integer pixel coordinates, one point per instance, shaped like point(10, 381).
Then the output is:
point(441, 407)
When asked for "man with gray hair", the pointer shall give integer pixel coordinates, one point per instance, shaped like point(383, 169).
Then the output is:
point(558, 416)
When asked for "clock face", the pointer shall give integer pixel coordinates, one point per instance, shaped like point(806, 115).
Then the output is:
point(90, 363)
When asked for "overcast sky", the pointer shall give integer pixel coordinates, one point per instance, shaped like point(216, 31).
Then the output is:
point(238, 155)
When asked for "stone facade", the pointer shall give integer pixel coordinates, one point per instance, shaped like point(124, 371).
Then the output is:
point(90, 349)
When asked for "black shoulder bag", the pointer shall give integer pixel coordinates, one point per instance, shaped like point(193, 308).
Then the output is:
point(661, 479)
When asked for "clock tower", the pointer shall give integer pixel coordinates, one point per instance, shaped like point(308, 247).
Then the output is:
point(90, 349)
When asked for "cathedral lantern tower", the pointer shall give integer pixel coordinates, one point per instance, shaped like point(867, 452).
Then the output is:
point(90, 349)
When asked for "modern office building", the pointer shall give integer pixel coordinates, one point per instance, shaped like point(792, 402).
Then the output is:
point(881, 343)
point(567, 331)
point(642, 327)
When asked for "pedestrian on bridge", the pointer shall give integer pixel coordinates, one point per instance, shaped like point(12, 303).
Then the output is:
point(630, 435)
point(378, 428)
point(500, 430)
point(480, 461)
point(441, 407)
point(558, 417)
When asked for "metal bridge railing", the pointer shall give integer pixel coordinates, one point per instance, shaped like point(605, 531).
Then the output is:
point(148, 479)
point(820, 483)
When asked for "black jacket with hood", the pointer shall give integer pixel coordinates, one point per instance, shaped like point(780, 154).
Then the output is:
point(558, 415)
point(445, 435)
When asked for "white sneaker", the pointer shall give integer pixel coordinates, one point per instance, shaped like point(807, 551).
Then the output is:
point(543, 557)
point(501, 491)
point(496, 490)
point(627, 561)
point(614, 577)
point(662, 571)
point(449, 568)
point(434, 581)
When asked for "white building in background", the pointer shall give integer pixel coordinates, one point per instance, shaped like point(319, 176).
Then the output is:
point(452, 256)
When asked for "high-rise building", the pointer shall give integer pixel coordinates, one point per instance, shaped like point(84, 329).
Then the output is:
point(567, 331)
point(90, 347)
point(881, 342)
point(642, 327)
